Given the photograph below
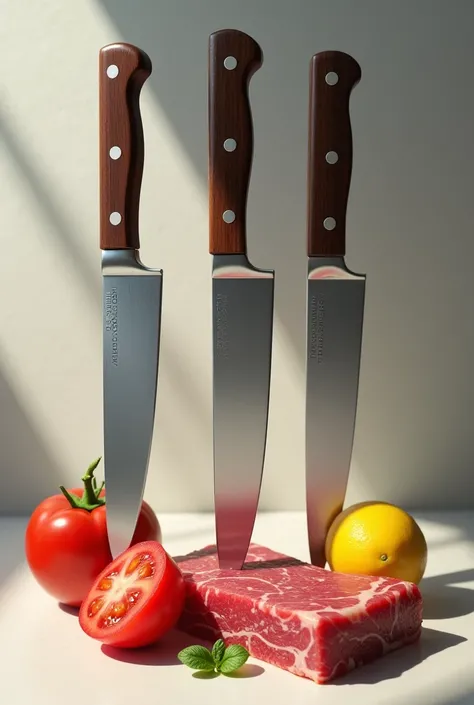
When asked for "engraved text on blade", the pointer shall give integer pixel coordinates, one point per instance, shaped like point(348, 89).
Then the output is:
point(317, 328)
point(222, 326)
point(111, 321)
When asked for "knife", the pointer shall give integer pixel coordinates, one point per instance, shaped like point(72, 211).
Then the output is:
point(131, 293)
point(335, 298)
point(242, 301)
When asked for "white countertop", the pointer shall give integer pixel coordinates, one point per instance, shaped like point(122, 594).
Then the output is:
point(46, 659)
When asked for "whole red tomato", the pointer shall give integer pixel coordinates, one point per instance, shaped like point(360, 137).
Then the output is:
point(66, 539)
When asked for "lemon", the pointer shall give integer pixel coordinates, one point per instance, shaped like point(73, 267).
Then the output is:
point(377, 538)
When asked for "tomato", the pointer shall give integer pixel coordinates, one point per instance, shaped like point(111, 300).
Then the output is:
point(136, 599)
point(66, 540)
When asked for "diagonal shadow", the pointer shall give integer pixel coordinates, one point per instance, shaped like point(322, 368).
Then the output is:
point(444, 595)
point(443, 598)
point(393, 665)
point(61, 226)
point(29, 471)
point(12, 547)
point(62, 232)
point(464, 699)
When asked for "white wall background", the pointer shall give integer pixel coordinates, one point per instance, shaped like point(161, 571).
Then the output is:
point(410, 228)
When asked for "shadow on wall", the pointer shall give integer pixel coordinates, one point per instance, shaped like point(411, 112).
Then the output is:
point(62, 235)
point(464, 699)
point(60, 226)
point(415, 407)
point(28, 471)
point(12, 548)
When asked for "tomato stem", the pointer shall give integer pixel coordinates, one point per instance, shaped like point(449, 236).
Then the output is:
point(90, 498)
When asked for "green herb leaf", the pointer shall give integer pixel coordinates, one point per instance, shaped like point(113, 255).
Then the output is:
point(234, 657)
point(218, 651)
point(197, 657)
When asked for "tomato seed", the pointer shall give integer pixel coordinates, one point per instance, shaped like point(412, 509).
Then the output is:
point(107, 621)
point(119, 608)
point(95, 606)
point(105, 584)
point(146, 571)
point(133, 597)
point(133, 565)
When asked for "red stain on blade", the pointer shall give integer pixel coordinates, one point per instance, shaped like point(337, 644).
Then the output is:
point(330, 273)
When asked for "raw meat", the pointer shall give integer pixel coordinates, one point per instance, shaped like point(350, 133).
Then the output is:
point(307, 620)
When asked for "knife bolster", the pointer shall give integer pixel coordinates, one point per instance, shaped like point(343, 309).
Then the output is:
point(118, 263)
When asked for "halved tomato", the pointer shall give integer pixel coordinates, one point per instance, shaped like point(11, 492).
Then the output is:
point(136, 599)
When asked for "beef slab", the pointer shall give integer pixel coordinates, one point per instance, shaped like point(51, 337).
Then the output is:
point(307, 620)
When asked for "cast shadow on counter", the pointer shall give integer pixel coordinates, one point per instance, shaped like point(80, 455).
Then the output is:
point(165, 653)
point(443, 600)
point(393, 665)
point(390, 666)
point(248, 670)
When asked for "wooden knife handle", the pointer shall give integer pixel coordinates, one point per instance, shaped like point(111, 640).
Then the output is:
point(233, 59)
point(123, 69)
point(333, 75)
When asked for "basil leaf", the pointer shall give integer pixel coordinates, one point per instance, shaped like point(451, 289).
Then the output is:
point(218, 651)
point(234, 657)
point(197, 657)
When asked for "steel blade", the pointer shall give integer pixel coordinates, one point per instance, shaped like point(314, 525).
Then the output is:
point(335, 309)
point(131, 339)
point(242, 349)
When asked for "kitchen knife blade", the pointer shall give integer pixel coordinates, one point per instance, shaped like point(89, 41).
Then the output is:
point(131, 293)
point(242, 301)
point(335, 298)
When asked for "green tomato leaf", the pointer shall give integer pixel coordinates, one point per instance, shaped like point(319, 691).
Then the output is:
point(234, 657)
point(197, 657)
point(218, 651)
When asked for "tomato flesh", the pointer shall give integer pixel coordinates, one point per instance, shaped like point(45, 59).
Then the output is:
point(136, 599)
point(123, 588)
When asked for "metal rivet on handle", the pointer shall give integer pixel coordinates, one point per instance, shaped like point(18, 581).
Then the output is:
point(115, 218)
point(112, 71)
point(230, 62)
point(230, 144)
point(329, 223)
point(228, 216)
point(115, 152)
point(332, 157)
point(332, 78)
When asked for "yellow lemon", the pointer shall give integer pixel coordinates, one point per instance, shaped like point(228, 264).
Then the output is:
point(377, 538)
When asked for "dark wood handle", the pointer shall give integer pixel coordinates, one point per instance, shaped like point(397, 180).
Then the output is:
point(330, 138)
point(230, 125)
point(123, 69)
